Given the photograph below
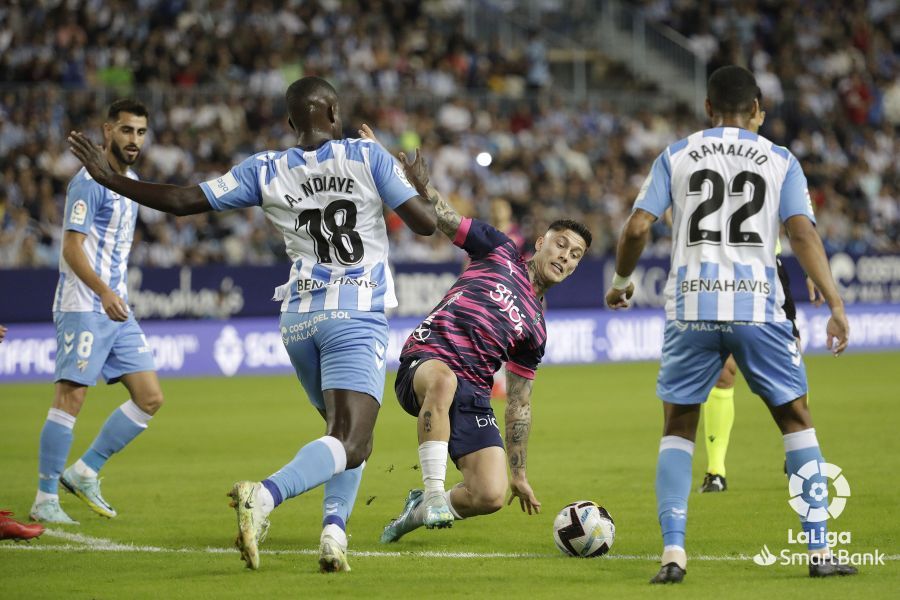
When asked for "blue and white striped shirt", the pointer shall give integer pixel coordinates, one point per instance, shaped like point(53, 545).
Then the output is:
point(328, 204)
point(108, 220)
point(729, 189)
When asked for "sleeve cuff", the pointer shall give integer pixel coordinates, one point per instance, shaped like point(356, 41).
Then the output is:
point(794, 213)
point(210, 197)
point(394, 204)
point(520, 370)
point(462, 232)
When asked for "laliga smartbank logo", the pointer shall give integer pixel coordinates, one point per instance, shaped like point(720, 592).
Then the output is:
point(810, 483)
point(808, 488)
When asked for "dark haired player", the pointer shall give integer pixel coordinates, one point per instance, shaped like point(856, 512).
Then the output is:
point(491, 315)
point(326, 195)
point(96, 333)
point(730, 189)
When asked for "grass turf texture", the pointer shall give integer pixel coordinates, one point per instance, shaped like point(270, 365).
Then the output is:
point(595, 436)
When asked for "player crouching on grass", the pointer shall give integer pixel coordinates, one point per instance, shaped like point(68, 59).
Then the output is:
point(491, 315)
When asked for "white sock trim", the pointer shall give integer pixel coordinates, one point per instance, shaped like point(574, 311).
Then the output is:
point(266, 501)
point(61, 417)
point(675, 554)
point(135, 414)
point(44, 496)
point(674, 442)
point(335, 532)
point(450, 505)
point(85, 471)
point(337, 452)
point(800, 440)
point(433, 459)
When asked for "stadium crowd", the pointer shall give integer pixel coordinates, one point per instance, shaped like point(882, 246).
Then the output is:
point(213, 75)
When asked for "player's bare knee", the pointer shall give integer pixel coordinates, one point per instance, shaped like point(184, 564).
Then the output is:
point(69, 398)
point(357, 451)
point(489, 500)
point(793, 416)
point(150, 402)
point(440, 391)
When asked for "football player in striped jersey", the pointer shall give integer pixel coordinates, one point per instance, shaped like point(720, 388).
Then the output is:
point(730, 190)
point(326, 195)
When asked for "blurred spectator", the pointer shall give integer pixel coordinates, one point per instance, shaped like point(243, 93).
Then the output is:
point(214, 75)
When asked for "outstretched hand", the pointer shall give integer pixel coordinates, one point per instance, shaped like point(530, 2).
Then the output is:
point(366, 133)
point(521, 489)
point(416, 172)
point(90, 155)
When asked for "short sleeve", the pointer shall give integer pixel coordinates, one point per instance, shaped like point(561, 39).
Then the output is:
point(525, 363)
point(391, 182)
point(795, 198)
point(656, 192)
point(83, 200)
point(478, 238)
point(238, 188)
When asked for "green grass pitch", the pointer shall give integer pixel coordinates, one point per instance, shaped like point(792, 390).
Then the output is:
point(595, 436)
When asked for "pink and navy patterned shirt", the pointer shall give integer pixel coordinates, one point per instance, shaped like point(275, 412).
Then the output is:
point(490, 315)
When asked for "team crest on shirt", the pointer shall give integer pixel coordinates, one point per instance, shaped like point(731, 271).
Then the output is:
point(81, 364)
point(79, 212)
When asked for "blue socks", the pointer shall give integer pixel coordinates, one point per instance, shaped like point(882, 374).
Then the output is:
point(315, 463)
point(340, 496)
point(123, 425)
point(673, 484)
point(56, 439)
point(805, 483)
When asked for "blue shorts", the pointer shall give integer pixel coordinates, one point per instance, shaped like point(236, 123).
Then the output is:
point(90, 344)
point(694, 353)
point(337, 350)
point(472, 422)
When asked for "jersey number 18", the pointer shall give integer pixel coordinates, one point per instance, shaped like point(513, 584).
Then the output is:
point(323, 227)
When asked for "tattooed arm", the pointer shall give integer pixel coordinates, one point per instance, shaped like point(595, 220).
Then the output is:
point(448, 219)
point(518, 426)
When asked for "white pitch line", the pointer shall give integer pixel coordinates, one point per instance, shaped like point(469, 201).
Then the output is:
point(80, 543)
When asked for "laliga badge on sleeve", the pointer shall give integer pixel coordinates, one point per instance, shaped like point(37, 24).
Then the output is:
point(79, 212)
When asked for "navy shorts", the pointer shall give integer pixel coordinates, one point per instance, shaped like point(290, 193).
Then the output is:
point(472, 422)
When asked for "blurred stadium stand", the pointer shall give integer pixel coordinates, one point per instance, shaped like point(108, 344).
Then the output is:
point(572, 100)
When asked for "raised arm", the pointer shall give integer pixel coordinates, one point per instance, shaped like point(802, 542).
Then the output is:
point(448, 219)
point(172, 199)
point(416, 172)
point(518, 427)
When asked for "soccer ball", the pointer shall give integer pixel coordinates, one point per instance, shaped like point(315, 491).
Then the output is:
point(584, 529)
